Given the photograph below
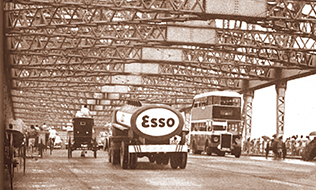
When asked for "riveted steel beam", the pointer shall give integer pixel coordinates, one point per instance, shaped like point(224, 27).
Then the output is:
point(247, 110)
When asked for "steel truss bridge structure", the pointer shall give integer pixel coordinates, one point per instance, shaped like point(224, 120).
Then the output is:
point(61, 54)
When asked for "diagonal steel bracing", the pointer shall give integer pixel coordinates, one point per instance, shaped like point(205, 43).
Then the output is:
point(68, 52)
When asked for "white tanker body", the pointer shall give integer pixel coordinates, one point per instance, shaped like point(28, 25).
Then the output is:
point(148, 130)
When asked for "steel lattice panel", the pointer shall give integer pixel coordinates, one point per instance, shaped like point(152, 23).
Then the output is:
point(62, 54)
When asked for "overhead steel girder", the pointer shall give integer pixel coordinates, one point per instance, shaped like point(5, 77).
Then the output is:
point(94, 88)
point(242, 57)
point(195, 62)
point(223, 64)
point(284, 74)
point(289, 15)
point(76, 103)
point(68, 95)
point(104, 73)
point(257, 47)
point(268, 45)
point(145, 82)
point(33, 77)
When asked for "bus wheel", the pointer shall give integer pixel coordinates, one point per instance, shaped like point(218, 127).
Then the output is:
point(209, 150)
point(237, 152)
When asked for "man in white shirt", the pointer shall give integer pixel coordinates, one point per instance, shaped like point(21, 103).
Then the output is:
point(44, 127)
point(85, 111)
point(52, 134)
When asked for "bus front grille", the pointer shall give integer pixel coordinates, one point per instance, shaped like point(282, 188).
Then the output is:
point(226, 140)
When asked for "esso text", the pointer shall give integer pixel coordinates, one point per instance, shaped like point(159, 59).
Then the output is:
point(147, 121)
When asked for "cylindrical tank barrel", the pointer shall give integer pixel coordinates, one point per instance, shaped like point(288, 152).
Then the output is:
point(155, 122)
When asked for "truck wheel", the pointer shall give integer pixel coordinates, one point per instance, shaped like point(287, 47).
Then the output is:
point(115, 154)
point(174, 161)
point(151, 158)
point(159, 159)
point(165, 160)
point(132, 160)
point(183, 161)
point(124, 155)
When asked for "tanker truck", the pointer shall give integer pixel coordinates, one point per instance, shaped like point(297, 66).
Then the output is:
point(154, 131)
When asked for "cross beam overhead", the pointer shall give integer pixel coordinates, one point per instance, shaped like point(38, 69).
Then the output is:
point(62, 54)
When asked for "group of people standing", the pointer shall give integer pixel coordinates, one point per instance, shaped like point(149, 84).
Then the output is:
point(291, 146)
point(49, 134)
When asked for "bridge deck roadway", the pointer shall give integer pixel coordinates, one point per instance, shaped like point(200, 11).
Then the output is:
point(56, 171)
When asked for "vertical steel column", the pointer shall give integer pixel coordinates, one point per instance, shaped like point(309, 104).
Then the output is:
point(247, 113)
point(1, 96)
point(280, 88)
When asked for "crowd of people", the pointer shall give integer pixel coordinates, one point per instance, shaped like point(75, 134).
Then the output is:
point(33, 138)
point(294, 145)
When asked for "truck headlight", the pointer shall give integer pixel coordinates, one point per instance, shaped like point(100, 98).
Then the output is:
point(237, 140)
point(215, 139)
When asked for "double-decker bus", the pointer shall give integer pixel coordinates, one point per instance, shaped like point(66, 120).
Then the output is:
point(216, 123)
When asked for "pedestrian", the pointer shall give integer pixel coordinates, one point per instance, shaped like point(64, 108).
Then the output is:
point(52, 135)
point(35, 134)
point(275, 144)
point(281, 148)
point(247, 146)
point(44, 126)
point(85, 111)
point(308, 140)
point(268, 147)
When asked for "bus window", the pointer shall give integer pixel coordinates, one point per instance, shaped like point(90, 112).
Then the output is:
point(193, 127)
point(202, 126)
point(236, 102)
point(233, 126)
point(203, 102)
point(198, 127)
point(217, 100)
point(227, 101)
point(209, 100)
point(195, 104)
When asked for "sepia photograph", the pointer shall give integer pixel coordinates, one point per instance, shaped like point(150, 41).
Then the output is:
point(158, 94)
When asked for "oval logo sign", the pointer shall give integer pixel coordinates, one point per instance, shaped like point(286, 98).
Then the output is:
point(157, 122)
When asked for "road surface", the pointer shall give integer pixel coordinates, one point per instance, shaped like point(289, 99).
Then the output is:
point(57, 171)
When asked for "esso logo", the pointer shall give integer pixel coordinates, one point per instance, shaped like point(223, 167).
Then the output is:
point(157, 122)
